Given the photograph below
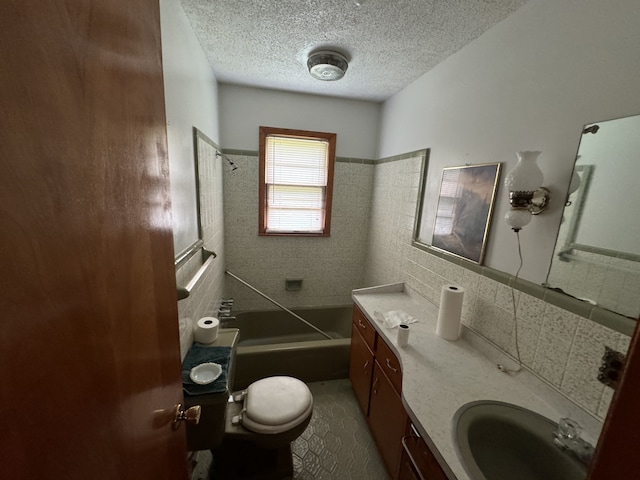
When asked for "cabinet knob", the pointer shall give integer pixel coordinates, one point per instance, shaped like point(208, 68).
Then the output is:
point(362, 325)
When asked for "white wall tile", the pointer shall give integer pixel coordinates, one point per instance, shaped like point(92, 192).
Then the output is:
point(330, 267)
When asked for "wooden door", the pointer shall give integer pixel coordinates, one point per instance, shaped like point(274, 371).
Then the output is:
point(89, 355)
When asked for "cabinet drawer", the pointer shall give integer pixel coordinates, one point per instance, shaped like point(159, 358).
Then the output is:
point(390, 364)
point(364, 327)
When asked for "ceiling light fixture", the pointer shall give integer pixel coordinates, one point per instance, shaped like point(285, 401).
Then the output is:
point(327, 65)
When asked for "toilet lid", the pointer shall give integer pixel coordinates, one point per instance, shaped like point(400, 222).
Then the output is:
point(276, 404)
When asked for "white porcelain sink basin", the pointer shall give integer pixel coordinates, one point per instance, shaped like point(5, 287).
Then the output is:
point(501, 441)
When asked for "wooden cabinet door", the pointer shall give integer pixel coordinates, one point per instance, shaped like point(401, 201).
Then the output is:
point(365, 328)
point(360, 369)
point(389, 363)
point(387, 419)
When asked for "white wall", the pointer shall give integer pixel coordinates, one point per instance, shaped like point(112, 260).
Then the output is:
point(244, 109)
point(191, 100)
point(529, 83)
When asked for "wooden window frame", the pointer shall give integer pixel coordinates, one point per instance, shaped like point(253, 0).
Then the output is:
point(262, 189)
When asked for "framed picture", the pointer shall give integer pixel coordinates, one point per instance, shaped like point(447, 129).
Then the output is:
point(465, 204)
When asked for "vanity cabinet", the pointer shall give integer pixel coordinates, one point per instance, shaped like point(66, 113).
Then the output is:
point(376, 377)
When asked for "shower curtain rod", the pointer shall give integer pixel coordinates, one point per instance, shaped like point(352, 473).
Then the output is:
point(277, 304)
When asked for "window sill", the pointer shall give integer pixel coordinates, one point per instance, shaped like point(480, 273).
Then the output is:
point(294, 234)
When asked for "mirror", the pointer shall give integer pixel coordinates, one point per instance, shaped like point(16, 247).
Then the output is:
point(597, 254)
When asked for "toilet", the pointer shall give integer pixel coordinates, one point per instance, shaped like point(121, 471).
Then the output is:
point(270, 412)
point(260, 423)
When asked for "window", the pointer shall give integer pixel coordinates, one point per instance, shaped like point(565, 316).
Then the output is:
point(296, 182)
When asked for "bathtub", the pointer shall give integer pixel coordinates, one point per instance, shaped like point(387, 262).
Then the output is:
point(276, 343)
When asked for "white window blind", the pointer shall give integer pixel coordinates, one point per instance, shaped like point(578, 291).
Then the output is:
point(296, 171)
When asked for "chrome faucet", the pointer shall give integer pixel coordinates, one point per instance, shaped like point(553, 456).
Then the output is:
point(224, 310)
point(567, 437)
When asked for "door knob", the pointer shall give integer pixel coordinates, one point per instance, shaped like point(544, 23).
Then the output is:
point(191, 415)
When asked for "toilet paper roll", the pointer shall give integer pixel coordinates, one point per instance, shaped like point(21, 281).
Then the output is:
point(206, 330)
point(450, 312)
point(403, 335)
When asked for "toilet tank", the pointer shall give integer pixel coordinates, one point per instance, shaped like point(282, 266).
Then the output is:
point(208, 433)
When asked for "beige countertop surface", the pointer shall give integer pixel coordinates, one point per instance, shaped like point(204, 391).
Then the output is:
point(440, 376)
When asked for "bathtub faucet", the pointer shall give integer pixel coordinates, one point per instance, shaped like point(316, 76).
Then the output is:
point(224, 315)
point(225, 320)
point(226, 302)
point(224, 310)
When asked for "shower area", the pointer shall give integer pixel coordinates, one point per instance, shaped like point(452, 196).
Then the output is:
point(330, 267)
point(326, 270)
point(273, 341)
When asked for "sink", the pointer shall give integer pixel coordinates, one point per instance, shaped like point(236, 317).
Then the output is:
point(499, 441)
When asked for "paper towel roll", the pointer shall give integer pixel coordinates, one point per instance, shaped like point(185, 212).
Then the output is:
point(450, 312)
point(403, 335)
point(206, 330)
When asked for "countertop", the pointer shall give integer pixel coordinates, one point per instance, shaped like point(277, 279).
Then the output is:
point(439, 376)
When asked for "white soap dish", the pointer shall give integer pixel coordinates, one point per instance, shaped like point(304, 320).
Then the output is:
point(205, 373)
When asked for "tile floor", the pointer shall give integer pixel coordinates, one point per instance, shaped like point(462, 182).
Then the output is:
point(336, 445)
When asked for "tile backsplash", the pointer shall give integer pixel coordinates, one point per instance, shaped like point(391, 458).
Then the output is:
point(561, 347)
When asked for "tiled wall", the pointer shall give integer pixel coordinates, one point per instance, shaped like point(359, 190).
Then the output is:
point(204, 297)
point(330, 267)
point(561, 347)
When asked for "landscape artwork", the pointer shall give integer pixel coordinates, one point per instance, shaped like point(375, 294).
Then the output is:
point(465, 204)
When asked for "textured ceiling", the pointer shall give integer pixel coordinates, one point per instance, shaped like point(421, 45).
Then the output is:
point(389, 43)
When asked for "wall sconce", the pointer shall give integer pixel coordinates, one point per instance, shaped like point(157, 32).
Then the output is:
point(527, 196)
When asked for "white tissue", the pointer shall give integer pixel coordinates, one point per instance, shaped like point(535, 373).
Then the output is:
point(393, 318)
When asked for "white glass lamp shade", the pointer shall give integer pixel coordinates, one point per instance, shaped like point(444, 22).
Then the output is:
point(517, 218)
point(526, 176)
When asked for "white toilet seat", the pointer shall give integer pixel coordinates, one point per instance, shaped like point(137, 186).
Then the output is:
point(276, 404)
